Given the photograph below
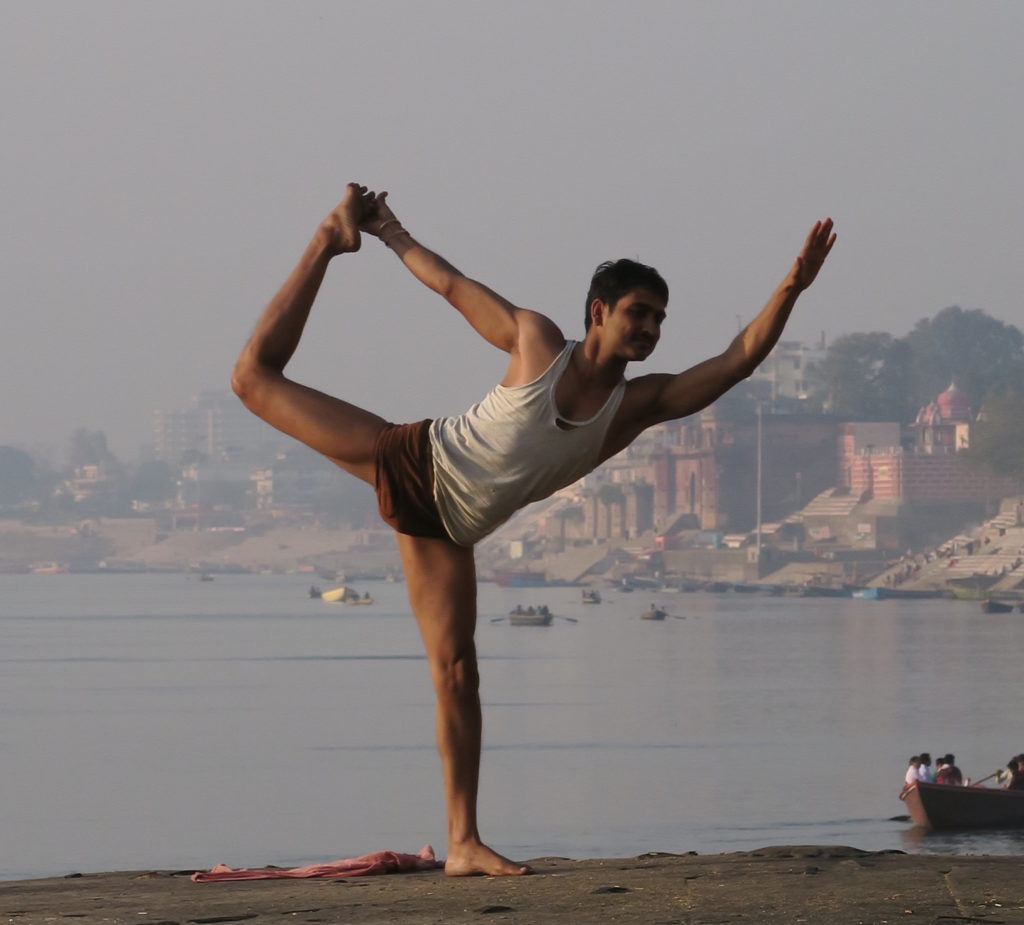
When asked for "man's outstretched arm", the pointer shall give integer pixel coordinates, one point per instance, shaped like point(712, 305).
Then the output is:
point(493, 317)
point(656, 398)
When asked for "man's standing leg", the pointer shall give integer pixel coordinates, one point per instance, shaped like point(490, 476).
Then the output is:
point(441, 581)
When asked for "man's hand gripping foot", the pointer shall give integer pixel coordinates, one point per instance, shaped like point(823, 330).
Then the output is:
point(477, 860)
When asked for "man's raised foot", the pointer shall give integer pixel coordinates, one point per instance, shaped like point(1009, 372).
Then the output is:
point(477, 860)
point(342, 225)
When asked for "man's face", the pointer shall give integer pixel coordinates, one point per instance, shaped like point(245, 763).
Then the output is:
point(634, 323)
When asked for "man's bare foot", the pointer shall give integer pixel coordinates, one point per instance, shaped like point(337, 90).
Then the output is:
point(342, 225)
point(476, 860)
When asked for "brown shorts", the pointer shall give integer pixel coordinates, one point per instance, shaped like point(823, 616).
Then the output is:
point(404, 480)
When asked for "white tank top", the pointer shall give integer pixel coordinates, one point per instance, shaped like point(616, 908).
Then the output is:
point(510, 449)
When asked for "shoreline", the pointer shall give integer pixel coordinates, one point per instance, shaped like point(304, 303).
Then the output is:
point(777, 884)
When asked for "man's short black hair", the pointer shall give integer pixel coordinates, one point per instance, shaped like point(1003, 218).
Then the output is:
point(615, 278)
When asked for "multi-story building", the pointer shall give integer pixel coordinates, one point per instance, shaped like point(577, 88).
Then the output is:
point(216, 426)
point(783, 379)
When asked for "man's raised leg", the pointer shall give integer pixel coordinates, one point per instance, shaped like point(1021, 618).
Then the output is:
point(341, 431)
point(441, 581)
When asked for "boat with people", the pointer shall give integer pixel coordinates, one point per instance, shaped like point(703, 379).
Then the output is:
point(341, 594)
point(942, 806)
point(992, 606)
point(654, 613)
point(591, 596)
point(530, 616)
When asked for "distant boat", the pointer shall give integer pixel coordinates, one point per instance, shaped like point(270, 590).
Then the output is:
point(520, 578)
point(896, 594)
point(824, 591)
point(717, 587)
point(991, 606)
point(915, 594)
point(653, 613)
point(534, 619)
point(591, 597)
point(530, 616)
point(871, 594)
point(941, 806)
point(342, 593)
point(206, 577)
point(973, 588)
point(356, 599)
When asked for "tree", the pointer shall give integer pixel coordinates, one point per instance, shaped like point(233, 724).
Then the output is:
point(17, 475)
point(88, 448)
point(154, 481)
point(983, 355)
point(864, 378)
point(997, 439)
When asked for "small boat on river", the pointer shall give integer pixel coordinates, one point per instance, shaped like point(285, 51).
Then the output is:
point(942, 806)
point(343, 593)
point(653, 613)
point(591, 596)
point(991, 606)
point(530, 616)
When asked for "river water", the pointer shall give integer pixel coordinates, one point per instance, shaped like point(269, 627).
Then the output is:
point(155, 721)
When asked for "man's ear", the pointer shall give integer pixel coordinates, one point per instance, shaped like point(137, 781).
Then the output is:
point(598, 310)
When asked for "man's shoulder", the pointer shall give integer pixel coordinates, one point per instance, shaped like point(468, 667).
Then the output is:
point(534, 324)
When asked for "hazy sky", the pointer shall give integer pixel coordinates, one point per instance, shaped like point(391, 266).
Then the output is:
point(163, 165)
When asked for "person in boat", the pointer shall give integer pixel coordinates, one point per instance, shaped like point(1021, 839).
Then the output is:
point(948, 772)
point(1017, 774)
point(913, 775)
point(925, 772)
point(1006, 776)
point(561, 409)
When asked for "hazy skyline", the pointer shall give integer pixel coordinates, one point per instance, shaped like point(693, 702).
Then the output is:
point(165, 164)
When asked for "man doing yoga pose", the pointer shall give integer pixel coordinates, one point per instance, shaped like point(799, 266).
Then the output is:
point(562, 408)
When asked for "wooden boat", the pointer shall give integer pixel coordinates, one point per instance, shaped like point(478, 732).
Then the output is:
point(990, 606)
point(342, 593)
point(915, 594)
point(520, 578)
point(542, 617)
point(871, 594)
point(824, 591)
point(591, 597)
point(717, 587)
point(941, 806)
point(653, 613)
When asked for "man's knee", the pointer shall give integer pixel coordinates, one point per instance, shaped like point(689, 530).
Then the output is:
point(456, 675)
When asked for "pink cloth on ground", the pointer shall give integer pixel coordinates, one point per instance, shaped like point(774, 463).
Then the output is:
point(379, 862)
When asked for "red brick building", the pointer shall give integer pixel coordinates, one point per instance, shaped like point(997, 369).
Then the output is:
point(922, 462)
